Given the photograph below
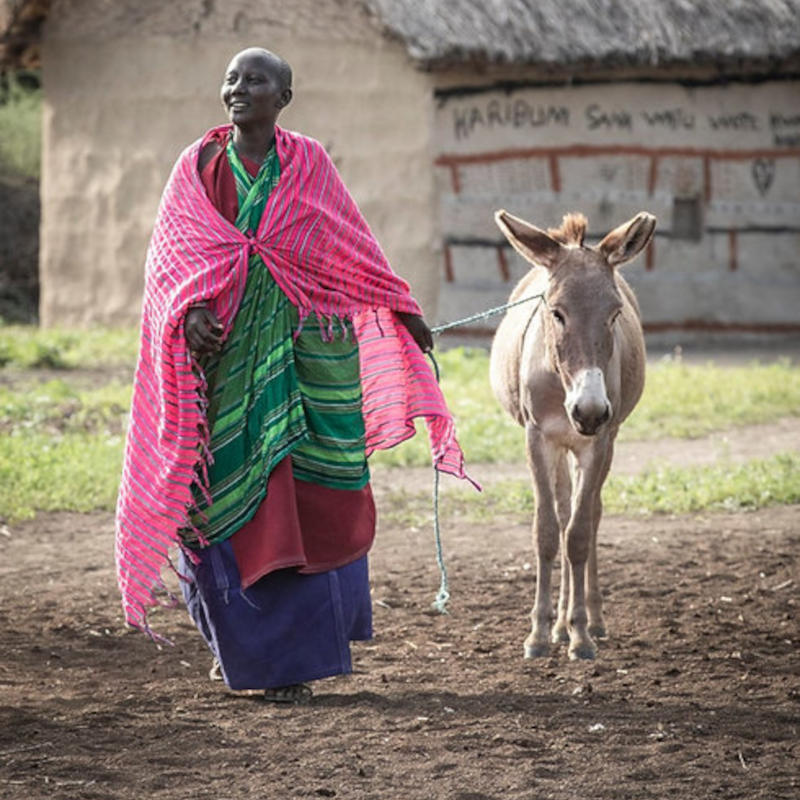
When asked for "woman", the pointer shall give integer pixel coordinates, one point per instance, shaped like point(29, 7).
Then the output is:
point(278, 351)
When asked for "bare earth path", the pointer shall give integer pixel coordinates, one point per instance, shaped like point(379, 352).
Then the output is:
point(696, 694)
point(734, 446)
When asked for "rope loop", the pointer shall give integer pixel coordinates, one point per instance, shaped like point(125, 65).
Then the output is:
point(443, 595)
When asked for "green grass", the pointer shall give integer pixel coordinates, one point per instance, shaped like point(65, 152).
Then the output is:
point(29, 347)
point(67, 472)
point(59, 407)
point(687, 401)
point(721, 487)
point(679, 399)
point(20, 130)
point(61, 441)
point(674, 490)
point(60, 447)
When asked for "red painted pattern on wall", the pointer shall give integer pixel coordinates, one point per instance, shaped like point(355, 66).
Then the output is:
point(733, 251)
point(650, 256)
point(555, 173)
point(449, 275)
point(502, 264)
point(652, 179)
point(553, 154)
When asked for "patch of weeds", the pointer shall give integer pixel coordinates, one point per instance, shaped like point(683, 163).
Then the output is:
point(674, 490)
point(47, 356)
point(73, 472)
point(30, 347)
point(721, 487)
point(680, 400)
point(687, 401)
point(57, 407)
point(407, 509)
point(20, 126)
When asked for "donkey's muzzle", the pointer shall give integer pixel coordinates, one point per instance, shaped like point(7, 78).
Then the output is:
point(589, 419)
point(587, 402)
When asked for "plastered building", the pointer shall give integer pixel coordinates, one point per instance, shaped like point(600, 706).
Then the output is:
point(436, 114)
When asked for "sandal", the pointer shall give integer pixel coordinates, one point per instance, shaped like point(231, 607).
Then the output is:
point(298, 694)
point(215, 673)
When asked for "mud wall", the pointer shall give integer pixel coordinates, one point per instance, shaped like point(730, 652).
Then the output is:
point(129, 85)
point(428, 157)
point(719, 165)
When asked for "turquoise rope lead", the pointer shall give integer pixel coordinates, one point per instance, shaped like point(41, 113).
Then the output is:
point(484, 314)
point(443, 595)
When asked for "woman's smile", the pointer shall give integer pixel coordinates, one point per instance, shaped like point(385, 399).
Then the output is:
point(254, 91)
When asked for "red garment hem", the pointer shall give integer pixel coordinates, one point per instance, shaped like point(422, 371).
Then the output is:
point(303, 525)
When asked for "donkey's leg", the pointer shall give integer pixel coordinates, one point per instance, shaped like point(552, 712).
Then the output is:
point(594, 600)
point(541, 461)
point(578, 545)
point(564, 507)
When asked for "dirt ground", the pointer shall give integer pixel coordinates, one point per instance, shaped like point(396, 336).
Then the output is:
point(695, 694)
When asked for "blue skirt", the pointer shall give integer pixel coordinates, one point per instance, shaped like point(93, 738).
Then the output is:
point(286, 628)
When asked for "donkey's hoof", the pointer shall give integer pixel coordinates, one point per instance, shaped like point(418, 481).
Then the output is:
point(585, 651)
point(560, 634)
point(536, 649)
point(598, 631)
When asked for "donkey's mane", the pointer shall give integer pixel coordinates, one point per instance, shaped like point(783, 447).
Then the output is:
point(572, 230)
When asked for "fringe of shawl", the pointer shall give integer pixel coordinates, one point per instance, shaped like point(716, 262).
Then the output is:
point(322, 254)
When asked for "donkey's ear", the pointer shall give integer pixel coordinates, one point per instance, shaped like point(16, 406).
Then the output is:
point(530, 242)
point(629, 239)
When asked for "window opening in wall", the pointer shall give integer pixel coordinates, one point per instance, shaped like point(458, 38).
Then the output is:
point(687, 218)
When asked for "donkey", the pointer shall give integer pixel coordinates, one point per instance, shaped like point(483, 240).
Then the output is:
point(569, 367)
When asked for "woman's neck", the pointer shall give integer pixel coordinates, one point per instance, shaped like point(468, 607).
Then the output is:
point(253, 144)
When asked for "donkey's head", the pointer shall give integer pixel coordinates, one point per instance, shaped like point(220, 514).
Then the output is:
point(582, 303)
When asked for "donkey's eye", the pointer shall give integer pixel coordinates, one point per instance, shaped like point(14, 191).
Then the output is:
point(614, 317)
point(558, 316)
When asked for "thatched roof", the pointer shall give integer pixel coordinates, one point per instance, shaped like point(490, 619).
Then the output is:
point(736, 36)
point(742, 35)
point(20, 25)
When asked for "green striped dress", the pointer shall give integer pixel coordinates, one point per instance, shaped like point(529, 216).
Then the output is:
point(270, 394)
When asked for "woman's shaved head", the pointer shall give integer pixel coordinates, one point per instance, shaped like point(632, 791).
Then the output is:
point(274, 63)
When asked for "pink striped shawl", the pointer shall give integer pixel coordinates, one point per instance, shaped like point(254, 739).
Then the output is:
point(321, 252)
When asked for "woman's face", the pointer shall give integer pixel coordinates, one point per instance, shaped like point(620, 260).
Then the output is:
point(253, 91)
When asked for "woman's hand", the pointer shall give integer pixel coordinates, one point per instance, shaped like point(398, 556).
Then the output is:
point(418, 329)
point(203, 330)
